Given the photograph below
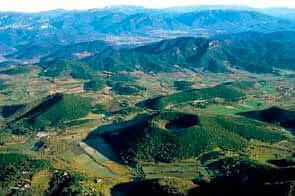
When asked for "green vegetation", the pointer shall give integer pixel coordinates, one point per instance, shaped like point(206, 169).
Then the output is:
point(233, 166)
point(51, 112)
point(3, 85)
point(15, 71)
point(244, 85)
point(276, 115)
point(17, 167)
point(119, 77)
point(126, 89)
point(207, 125)
point(66, 107)
point(230, 176)
point(129, 110)
point(164, 187)
point(58, 67)
point(75, 123)
point(63, 183)
point(182, 85)
point(227, 93)
point(124, 84)
point(171, 136)
point(213, 55)
point(4, 137)
point(209, 156)
point(69, 51)
point(94, 85)
point(241, 176)
point(99, 108)
point(247, 128)
point(7, 111)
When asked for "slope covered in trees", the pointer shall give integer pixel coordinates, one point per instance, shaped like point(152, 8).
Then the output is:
point(52, 111)
point(171, 136)
point(227, 92)
point(260, 53)
point(276, 115)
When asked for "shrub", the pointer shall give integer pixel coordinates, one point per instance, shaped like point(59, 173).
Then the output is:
point(94, 85)
point(126, 89)
point(14, 166)
point(183, 85)
point(3, 85)
point(64, 183)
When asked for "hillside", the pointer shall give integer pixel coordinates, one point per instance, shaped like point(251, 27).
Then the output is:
point(59, 67)
point(16, 70)
point(275, 115)
point(224, 20)
point(31, 51)
point(135, 101)
point(171, 136)
point(77, 51)
point(256, 52)
point(8, 111)
point(226, 92)
point(53, 111)
point(244, 178)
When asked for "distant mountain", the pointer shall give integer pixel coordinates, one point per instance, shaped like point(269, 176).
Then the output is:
point(128, 9)
point(280, 36)
point(184, 9)
point(60, 27)
point(226, 21)
point(212, 21)
point(5, 49)
point(209, 54)
point(78, 51)
point(29, 52)
point(286, 13)
point(280, 12)
point(167, 55)
point(252, 51)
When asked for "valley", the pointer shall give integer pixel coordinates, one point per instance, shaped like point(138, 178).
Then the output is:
point(126, 101)
point(82, 138)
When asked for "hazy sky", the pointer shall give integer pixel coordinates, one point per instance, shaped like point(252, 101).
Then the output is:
point(40, 5)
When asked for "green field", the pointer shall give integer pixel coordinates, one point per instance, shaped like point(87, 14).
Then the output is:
point(136, 135)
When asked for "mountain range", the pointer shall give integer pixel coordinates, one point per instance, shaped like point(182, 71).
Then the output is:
point(250, 51)
point(60, 27)
point(206, 38)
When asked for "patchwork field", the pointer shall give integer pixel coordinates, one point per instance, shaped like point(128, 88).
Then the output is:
point(116, 128)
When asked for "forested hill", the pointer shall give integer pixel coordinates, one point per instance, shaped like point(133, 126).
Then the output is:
point(259, 53)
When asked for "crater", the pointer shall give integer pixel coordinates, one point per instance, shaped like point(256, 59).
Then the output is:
point(182, 122)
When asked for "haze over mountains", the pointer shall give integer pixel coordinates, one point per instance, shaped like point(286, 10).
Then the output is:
point(66, 27)
point(250, 51)
point(218, 38)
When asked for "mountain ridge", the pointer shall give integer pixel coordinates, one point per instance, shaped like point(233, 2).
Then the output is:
point(259, 53)
point(68, 27)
